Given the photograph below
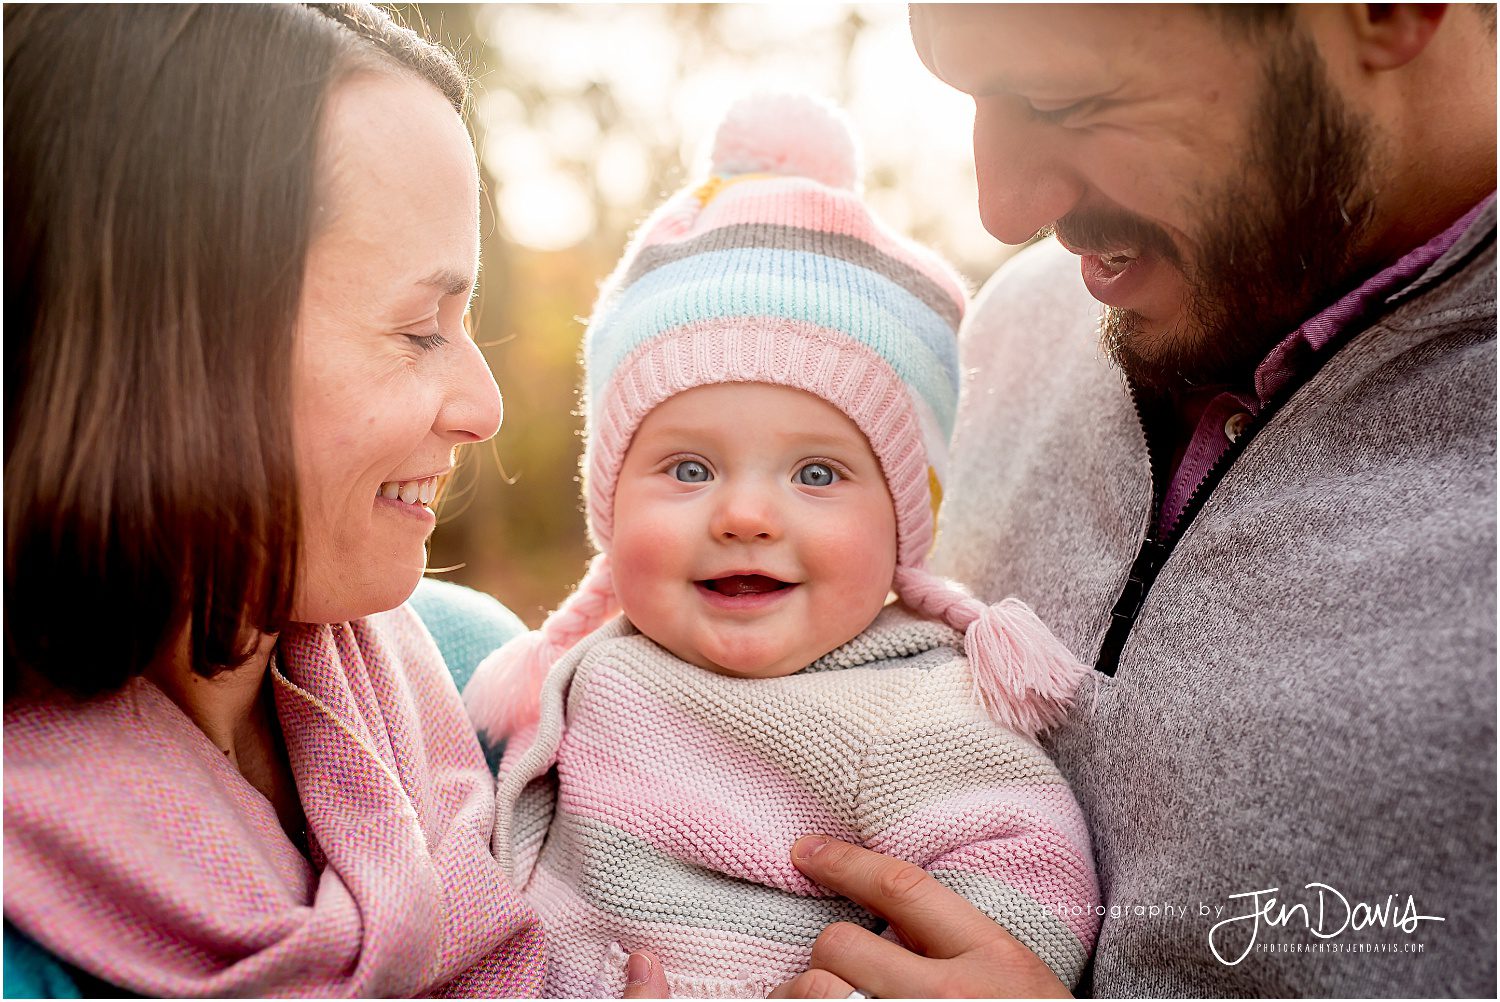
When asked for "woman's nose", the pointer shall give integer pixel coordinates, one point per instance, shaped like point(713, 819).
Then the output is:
point(1025, 182)
point(745, 512)
point(472, 409)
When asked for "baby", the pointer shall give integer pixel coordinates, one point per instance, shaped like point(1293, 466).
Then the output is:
point(772, 380)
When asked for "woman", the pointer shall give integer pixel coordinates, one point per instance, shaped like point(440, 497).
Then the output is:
point(240, 245)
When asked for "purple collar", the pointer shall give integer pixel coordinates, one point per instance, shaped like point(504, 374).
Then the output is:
point(1208, 420)
point(1280, 366)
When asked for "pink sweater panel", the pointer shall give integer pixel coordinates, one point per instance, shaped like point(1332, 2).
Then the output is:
point(655, 805)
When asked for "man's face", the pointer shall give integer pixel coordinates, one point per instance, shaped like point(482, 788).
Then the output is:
point(1213, 185)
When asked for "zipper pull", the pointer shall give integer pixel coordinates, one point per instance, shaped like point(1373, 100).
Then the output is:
point(1122, 617)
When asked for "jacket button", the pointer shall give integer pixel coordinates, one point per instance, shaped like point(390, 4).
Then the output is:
point(1235, 426)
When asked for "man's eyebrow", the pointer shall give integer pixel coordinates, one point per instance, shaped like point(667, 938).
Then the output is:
point(452, 283)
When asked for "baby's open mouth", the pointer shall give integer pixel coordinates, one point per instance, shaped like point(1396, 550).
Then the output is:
point(744, 584)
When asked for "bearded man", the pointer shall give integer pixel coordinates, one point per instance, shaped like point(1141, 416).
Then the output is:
point(1262, 504)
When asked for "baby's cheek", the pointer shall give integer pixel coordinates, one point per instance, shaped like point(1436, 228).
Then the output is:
point(647, 555)
point(646, 549)
point(858, 564)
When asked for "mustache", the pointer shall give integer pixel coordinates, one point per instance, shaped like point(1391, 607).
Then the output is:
point(1104, 228)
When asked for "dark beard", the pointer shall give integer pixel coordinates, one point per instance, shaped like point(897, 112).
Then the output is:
point(1274, 246)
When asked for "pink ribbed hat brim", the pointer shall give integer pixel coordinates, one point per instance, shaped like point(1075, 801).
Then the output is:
point(763, 350)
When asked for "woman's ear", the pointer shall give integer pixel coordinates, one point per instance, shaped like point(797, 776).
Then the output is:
point(1390, 35)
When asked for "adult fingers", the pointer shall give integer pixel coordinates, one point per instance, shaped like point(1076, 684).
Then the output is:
point(932, 918)
point(814, 984)
point(882, 969)
point(874, 965)
point(644, 978)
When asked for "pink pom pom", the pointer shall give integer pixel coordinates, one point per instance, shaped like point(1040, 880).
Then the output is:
point(504, 695)
point(789, 134)
point(1024, 677)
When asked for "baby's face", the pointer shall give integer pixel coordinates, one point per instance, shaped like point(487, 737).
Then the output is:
point(753, 532)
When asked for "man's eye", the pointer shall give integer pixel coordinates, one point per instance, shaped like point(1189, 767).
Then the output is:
point(1061, 114)
point(816, 475)
point(690, 471)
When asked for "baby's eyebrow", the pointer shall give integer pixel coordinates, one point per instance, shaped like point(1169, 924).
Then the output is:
point(841, 439)
point(808, 441)
point(675, 432)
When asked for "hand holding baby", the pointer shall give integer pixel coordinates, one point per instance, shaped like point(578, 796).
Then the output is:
point(953, 949)
point(956, 950)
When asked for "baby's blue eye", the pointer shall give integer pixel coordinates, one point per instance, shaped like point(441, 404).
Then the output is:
point(816, 475)
point(690, 471)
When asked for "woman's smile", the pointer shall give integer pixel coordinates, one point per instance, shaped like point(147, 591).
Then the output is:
point(368, 402)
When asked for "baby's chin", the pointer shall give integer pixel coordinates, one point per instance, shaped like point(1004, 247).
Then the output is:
point(759, 660)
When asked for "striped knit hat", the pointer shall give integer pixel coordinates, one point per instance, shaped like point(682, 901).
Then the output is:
point(774, 270)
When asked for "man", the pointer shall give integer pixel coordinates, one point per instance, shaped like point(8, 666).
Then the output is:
point(1275, 536)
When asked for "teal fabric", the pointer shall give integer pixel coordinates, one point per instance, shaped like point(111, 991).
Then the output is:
point(466, 624)
point(33, 973)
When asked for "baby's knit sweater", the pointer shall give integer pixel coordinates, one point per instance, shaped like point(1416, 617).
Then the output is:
point(654, 805)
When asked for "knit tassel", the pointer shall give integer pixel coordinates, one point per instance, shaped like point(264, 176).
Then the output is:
point(1023, 676)
point(503, 696)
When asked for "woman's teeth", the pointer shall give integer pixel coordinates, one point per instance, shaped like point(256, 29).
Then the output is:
point(410, 491)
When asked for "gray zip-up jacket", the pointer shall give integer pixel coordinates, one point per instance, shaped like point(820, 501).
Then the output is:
point(1290, 780)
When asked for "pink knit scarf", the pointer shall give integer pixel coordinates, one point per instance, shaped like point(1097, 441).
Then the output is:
point(135, 851)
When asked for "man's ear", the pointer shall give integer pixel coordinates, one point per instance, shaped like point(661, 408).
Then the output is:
point(1390, 35)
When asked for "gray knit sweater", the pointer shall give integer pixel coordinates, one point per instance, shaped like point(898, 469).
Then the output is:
point(1308, 693)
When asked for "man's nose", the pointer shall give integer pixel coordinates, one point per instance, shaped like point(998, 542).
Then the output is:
point(1024, 180)
point(745, 512)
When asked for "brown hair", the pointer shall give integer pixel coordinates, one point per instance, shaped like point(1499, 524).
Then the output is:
point(1250, 20)
point(159, 189)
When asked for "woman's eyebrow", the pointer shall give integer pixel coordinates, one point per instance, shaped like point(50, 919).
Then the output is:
point(450, 282)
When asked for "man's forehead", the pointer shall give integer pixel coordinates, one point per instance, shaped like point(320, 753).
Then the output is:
point(992, 48)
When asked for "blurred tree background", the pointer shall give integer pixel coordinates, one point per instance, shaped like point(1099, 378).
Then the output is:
point(585, 117)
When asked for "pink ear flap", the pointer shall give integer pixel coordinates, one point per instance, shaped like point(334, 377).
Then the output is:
point(503, 695)
point(1023, 675)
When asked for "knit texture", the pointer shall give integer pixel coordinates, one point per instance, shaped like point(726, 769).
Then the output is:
point(186, 884)
point(1308, 692)
point(654, 805)
point(773, 270)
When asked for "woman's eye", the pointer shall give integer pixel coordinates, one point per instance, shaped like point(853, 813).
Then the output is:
point(816, 475)
point(427, 342)
point(690, 471)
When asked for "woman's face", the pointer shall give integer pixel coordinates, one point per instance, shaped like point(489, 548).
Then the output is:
point(386, 381)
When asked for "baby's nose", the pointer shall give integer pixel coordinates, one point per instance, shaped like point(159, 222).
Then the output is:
point(746, 513)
